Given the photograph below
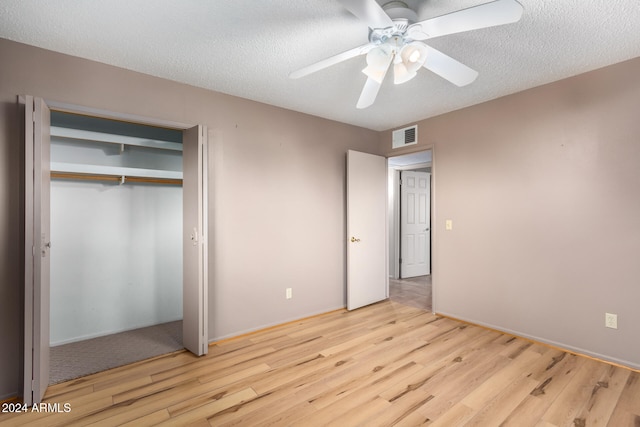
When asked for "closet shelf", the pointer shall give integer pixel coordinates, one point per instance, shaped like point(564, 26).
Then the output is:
point(85, 135)
point(114, 173)
point(114, 178)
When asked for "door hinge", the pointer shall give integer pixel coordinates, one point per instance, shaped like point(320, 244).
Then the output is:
point(400, 260)
point(33, 251)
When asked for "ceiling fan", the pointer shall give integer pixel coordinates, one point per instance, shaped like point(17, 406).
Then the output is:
point(395, 37)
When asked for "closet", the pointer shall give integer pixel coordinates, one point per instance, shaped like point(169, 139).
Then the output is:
point(117, 242)
point(116, 223)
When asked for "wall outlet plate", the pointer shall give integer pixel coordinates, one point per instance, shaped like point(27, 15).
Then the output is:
point(289, 293)
point(611, 320)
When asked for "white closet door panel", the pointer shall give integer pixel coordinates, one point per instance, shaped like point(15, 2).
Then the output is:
point(37, 248)
point(195, 282)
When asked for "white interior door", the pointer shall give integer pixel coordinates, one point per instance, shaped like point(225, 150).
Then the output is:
point(37, 248)
point(195, 282)
point(415, 220)
point(367, 278)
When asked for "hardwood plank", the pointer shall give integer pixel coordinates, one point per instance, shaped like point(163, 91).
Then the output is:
point(185, 393)
point(205, 411)
point(220, 365)
point(627, 410)
point(374, 381)
point(386, 364)
point(565, 409)
point(604, 398)
point(554, 371)
point(458, 415)
point(629, 401)
point(151, 419)
point(498, 409)
point(276, 407)
point(360, 414)
point(488, 390)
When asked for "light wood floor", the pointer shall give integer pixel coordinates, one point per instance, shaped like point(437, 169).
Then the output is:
point(386, 364)
point(415, 291)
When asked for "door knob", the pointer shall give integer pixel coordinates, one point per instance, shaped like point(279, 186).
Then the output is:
point(44, 249)
point(353, 240)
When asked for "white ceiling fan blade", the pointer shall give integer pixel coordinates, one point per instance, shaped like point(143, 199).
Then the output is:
point(485, 15)
point(448, 68)
point(369, 12)
point(369, 93)
point(325, 63)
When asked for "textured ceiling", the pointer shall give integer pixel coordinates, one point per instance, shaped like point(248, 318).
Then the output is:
point(247, 48)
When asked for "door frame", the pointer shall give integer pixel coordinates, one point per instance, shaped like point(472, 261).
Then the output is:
point(107, 114)
point(394, 214)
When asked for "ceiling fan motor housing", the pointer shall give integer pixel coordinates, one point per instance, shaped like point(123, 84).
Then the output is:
point(402, 18)
point(400, 10)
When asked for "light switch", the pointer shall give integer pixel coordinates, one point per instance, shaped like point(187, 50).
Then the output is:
point(448, 224)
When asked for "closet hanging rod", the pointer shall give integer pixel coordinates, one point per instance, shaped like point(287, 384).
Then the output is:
point(115, 178)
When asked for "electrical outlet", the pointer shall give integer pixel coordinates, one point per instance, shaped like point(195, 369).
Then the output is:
point(611, 320)
point(289, 294)
point(448, 224)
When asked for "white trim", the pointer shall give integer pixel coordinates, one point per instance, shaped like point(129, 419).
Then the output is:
point(412, 167)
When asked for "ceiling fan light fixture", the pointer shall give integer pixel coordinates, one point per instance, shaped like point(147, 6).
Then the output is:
point(401, 74)
point(378, 60)
point(408, 62)
point(414, 55)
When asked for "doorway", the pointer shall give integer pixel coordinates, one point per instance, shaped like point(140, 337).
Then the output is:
point(409, 213)
point(38, 245)
point(116, 269)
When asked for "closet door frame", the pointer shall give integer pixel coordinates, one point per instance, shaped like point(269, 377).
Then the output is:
point(199, 290)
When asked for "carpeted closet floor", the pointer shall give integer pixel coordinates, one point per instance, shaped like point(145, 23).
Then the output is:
point(74, 360)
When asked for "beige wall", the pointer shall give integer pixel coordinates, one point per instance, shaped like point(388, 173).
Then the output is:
point(543, 188)
point(278, 192)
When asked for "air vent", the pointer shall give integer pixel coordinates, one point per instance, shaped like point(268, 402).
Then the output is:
point(404, 137)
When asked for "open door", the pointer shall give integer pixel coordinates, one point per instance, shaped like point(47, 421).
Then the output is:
point(367, 278)
point(37, 247)
point(415, 224)
point(194, 201)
